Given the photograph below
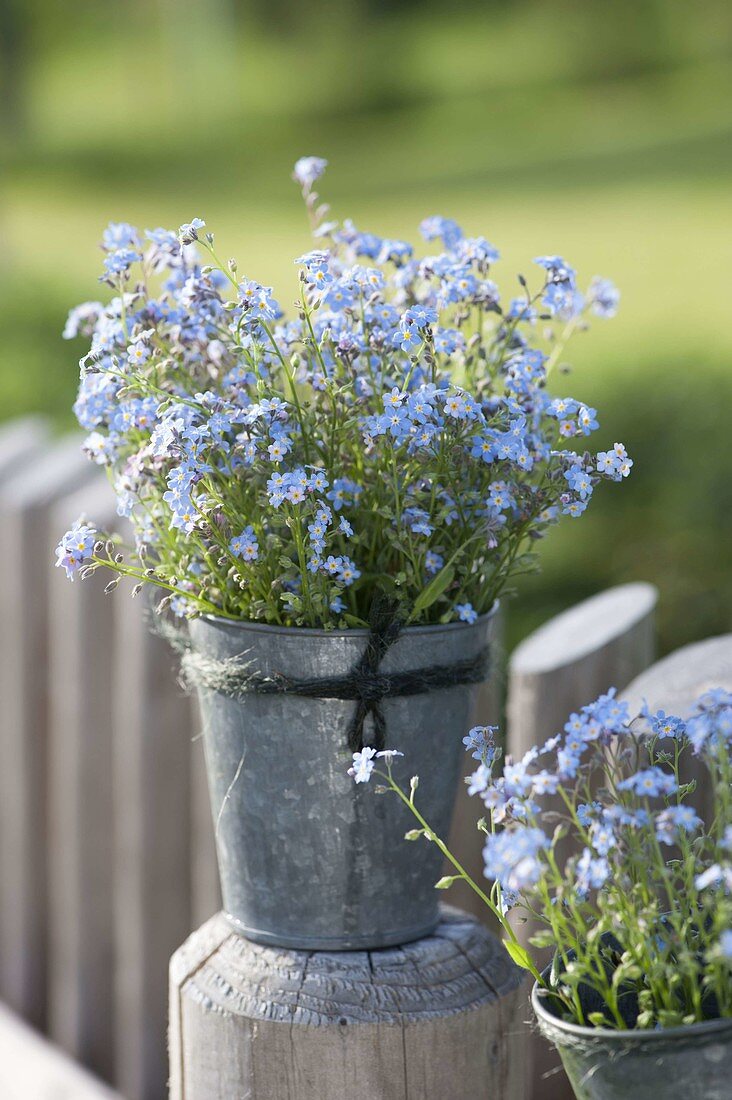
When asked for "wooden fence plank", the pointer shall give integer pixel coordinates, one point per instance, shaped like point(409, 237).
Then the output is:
point(603, 642)
point(33, 1069)
point(152, 753)
point(19, 441)
point(80, 842)
point(26, 547)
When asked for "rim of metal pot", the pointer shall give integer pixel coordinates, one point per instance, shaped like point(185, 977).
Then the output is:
point(610, 1036)
point(354, 632)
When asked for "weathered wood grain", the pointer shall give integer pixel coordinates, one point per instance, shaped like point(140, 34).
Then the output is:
point(152, 806)
point(33, 1069)
point(26, 548)
point(80, 830)
point(439, 1018)
point(603, 642)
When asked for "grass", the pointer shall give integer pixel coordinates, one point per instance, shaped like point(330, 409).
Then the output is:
point(546, 134)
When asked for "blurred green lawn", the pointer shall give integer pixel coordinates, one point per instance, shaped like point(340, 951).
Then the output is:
point(604, 135)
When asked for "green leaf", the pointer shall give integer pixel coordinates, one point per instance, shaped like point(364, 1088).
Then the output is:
point(519, 954)
point(446, 882)
point(433, 591)
point(353, 620)
point(597, 1019)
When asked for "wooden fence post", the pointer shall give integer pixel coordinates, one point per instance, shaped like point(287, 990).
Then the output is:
point(152, 805)
point(26, 550)
point(438, 1019)
point(80, 847)
point(600, 643)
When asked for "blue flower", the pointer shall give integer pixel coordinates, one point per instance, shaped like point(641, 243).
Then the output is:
point(347, 572)
point(337, 605)
point(245, 545)
point(614, 464)
point(257, 302)
point(307, 170)
point(674, 820)
point(119, 262)
point(591, 873)
point(345, 527)
point(604, 297)
point(466, 612)
point(480, 743)
point(363, 765)
point(119, 235)
point(512, 857)
point(445, 229)
point(76, 548)
point(665, 725)
point(586, 812)
point(649, 783)
point(188, 232)
point(580, 481)
point(433, 562)
point(602, 837)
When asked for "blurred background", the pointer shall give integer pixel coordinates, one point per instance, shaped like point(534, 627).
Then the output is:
point(598, 131)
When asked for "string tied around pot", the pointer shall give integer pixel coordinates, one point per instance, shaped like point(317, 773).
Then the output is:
point(364, 683)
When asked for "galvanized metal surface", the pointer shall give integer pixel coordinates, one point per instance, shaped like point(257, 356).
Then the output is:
point(308, 858)
point(678, 1063)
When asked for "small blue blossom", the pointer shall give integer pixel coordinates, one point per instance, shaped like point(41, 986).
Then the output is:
point(363, 764)
point(120, 235)
point(443, 228)
point(245, 545)
point(188, 232)
point(592, 873)
point(76, 548)
point(308, 169)
point(480, 742)
point(512, 857)
point(466, 613)
point(604, 297)
point(649, 782)
point(673, 821)
point(433, 562)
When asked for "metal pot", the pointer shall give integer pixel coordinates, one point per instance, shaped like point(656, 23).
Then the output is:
point(309, 859)
point(678, 1063)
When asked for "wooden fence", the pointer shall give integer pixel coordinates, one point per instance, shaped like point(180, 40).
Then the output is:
point(106, 849)
point(106, 846)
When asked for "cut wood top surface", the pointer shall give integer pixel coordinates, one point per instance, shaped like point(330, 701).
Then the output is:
point(677, 681)
point(460, 966)
point(584, 628)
